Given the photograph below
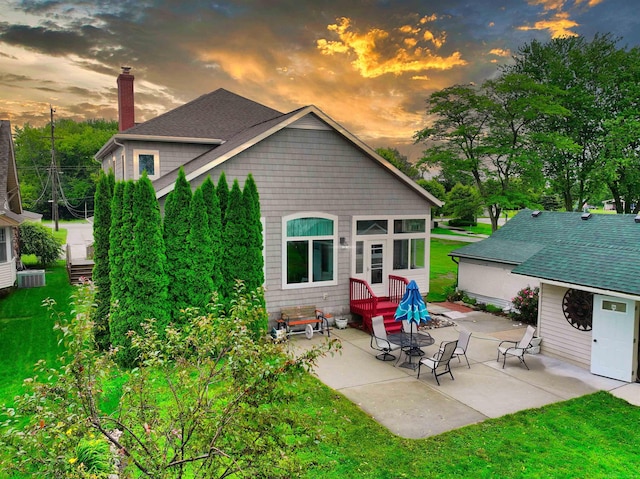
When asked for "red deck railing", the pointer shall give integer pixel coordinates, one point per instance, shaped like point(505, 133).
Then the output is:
point(364, 302)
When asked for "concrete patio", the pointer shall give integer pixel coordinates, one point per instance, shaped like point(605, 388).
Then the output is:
point(415, 408)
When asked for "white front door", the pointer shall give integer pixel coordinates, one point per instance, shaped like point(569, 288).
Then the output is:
point(370, 265)
point(614, 347)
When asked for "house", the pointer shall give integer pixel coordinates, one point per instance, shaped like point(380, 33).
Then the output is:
point(325, 196)
point(11, 213)
point(588, 269)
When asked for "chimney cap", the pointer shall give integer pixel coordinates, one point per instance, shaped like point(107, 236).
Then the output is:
point(126, 70)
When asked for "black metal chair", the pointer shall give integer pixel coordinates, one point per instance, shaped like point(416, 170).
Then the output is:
point(379, 340)
point(439, 363)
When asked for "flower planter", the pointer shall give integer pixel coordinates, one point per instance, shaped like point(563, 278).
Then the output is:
point(341, 323)
point(535, 346)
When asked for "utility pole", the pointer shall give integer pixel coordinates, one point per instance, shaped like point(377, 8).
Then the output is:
point(54, 175)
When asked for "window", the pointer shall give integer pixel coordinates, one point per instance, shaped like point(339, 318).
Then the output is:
point(409, 226)
point(146, 160)
point(308, 253)
point(409, 253)
point(3, 245)
point(372, 227)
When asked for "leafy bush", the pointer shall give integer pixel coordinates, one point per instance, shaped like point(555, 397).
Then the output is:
point(39, 240)
point(452, 293)
point(526, 305)
point(462, 222)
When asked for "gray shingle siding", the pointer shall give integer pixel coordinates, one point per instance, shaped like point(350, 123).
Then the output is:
point(295, 174)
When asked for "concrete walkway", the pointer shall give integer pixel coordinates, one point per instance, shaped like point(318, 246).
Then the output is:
point(415, 408)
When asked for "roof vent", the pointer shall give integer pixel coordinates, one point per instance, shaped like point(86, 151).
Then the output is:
point(536, 213)
point(585, 216)
point(637, 218)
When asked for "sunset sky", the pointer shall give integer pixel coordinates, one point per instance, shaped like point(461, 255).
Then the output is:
point(368, 64)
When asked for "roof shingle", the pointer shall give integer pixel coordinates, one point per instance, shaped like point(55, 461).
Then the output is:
point(601, 252)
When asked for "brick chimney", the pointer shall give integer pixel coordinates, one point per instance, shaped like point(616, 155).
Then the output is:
point(126, 115)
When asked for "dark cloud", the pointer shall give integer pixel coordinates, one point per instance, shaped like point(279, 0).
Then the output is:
point(45, 40)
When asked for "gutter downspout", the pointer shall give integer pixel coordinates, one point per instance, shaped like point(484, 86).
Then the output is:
point(453, 258)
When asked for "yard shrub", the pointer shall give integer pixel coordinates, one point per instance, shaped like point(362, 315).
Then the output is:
point(101, 275)
point(38, 240)
point(197, 280)
point(525, 305)
point(176, 227)
point(212, 204)
point(206, 400)
point(222, 189)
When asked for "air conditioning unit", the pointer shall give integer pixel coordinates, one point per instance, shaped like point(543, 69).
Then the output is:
point(31, 278)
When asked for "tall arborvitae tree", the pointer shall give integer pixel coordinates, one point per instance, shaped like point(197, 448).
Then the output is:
point(115, 243)
point(223, 197)
point(212, 205)
point(123, 275)
point(101, 276)
point(149, 257)
point(235, 242)
point(254, 276)
point(176, 229)
point(199, 282)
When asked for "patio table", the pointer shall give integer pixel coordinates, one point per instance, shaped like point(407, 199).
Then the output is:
point(410, 344)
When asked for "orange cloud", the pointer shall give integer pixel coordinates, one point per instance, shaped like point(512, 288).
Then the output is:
point(501, 52)
point(377, 52)
point(559, 26)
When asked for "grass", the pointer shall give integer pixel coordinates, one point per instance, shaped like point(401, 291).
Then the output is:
point(443, 270)
point(26, 330)
point(588, 437)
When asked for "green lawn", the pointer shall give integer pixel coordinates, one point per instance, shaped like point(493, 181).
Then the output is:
point(26, 330)
point(443, 270)
point(588, 437)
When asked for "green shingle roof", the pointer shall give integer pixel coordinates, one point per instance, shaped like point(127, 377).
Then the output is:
point(601, 252)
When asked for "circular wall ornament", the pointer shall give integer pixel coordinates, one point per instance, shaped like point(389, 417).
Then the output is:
point(577, 306)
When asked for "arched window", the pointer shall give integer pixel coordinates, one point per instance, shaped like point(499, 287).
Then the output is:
point(308, 252)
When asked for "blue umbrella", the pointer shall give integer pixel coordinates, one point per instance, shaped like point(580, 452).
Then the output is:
point(413, 309)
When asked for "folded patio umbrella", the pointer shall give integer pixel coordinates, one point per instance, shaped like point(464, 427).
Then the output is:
point(412, 306)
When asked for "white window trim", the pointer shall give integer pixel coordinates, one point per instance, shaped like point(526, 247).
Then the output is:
point(156, 163)
point(8, 240)
point(285, 239)
point(390, 236)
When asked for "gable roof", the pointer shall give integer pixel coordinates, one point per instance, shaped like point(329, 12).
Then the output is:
point(209, 119)
point(602, 251)
point(216, 115)
point(10, 202)
point(246, 138)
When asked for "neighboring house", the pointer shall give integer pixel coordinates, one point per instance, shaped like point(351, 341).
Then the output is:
point(11, 214)
point(331, 207)
point(588, 270)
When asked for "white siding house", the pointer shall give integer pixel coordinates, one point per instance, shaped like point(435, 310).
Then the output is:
point(10, 207)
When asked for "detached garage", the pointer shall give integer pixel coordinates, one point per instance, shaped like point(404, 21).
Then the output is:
point(588, 269)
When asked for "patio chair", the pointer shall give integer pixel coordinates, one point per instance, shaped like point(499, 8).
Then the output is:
point(379, 340)
point(463, 344)
point(517, 349)
point(439, 364)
